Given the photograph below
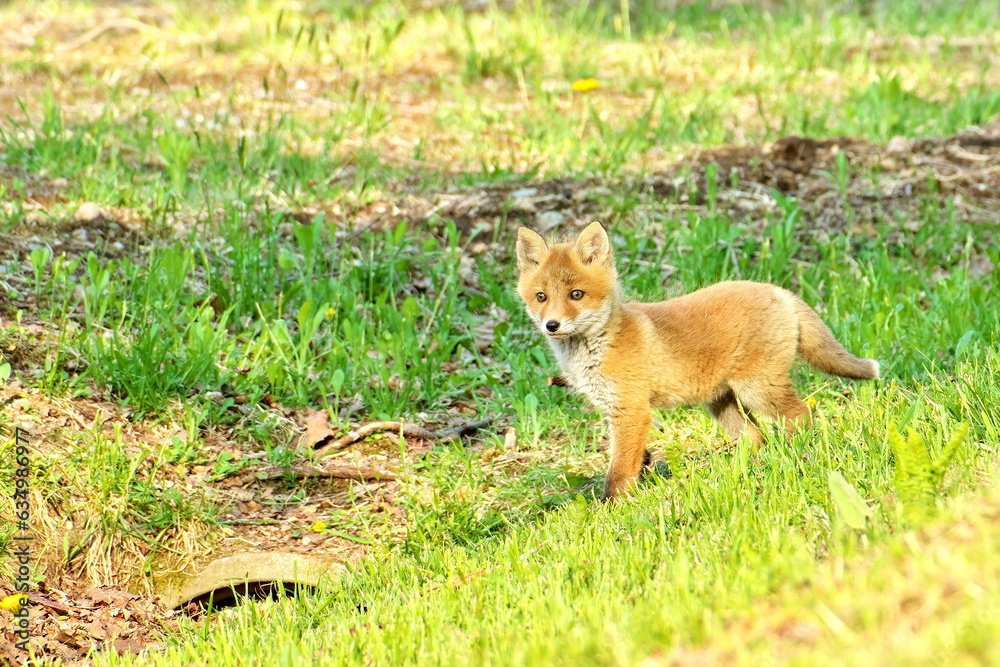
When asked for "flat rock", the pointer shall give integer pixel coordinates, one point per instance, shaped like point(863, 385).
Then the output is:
point(550, 220)
point(88, 212)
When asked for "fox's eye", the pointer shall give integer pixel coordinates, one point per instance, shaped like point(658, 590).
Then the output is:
point(541, 296)
point(576, 295)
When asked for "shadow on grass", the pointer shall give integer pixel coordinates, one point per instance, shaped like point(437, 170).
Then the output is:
point(465, 523)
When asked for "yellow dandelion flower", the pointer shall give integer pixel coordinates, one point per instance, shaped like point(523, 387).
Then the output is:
point(330, 312)
point(318, 527)
point(585, 85)
point(810, 402)
point(14, 603)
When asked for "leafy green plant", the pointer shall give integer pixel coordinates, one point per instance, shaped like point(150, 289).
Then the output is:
point(160, 360)
point(177, 151)
point(97, 293)
point(918, 477)
point(40, 258)
point(226, 464)
point(841, 175)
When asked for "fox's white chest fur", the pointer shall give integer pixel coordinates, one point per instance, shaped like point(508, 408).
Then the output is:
point(580, 360)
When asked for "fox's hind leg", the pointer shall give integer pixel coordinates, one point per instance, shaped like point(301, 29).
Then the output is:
point(773, 397)
point(733, 419)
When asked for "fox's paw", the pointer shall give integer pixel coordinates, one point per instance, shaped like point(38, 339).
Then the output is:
point(618, 487)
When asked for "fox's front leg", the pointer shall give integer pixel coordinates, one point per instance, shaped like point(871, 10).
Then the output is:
point(629, 434)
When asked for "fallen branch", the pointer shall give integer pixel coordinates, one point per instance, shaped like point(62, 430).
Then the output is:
point(408, 430)
point(335, 470)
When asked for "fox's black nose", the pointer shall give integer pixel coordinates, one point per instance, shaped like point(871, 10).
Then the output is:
point(552, 326)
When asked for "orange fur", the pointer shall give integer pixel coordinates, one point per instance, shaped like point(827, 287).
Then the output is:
point(729, 346)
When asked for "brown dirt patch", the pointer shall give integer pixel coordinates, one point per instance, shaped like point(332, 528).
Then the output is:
point(262, 511)
point(882, 183)
point(81, 603)
point(878, 179)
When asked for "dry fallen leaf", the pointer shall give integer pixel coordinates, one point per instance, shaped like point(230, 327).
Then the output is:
point(317, 428)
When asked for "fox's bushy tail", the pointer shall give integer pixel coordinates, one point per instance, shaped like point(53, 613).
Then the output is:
point(822, 351)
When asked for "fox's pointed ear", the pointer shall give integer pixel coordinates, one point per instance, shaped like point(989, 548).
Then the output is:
point(531, 249)
point(593, 245)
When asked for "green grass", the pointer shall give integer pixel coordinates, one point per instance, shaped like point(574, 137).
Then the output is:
point(614, 588)
point(258, 261)
point(340, 86)
point(678, 566)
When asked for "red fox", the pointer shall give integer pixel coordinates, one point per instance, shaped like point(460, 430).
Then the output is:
point(729, 346)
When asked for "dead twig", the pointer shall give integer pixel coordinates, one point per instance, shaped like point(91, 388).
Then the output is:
point(121, 23)
point(408, 430)
point(336, 470)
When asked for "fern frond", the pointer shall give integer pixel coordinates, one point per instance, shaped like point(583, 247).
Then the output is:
point(948, 453)
point(917, 477)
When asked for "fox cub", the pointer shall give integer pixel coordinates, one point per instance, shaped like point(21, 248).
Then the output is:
point(729, 346)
